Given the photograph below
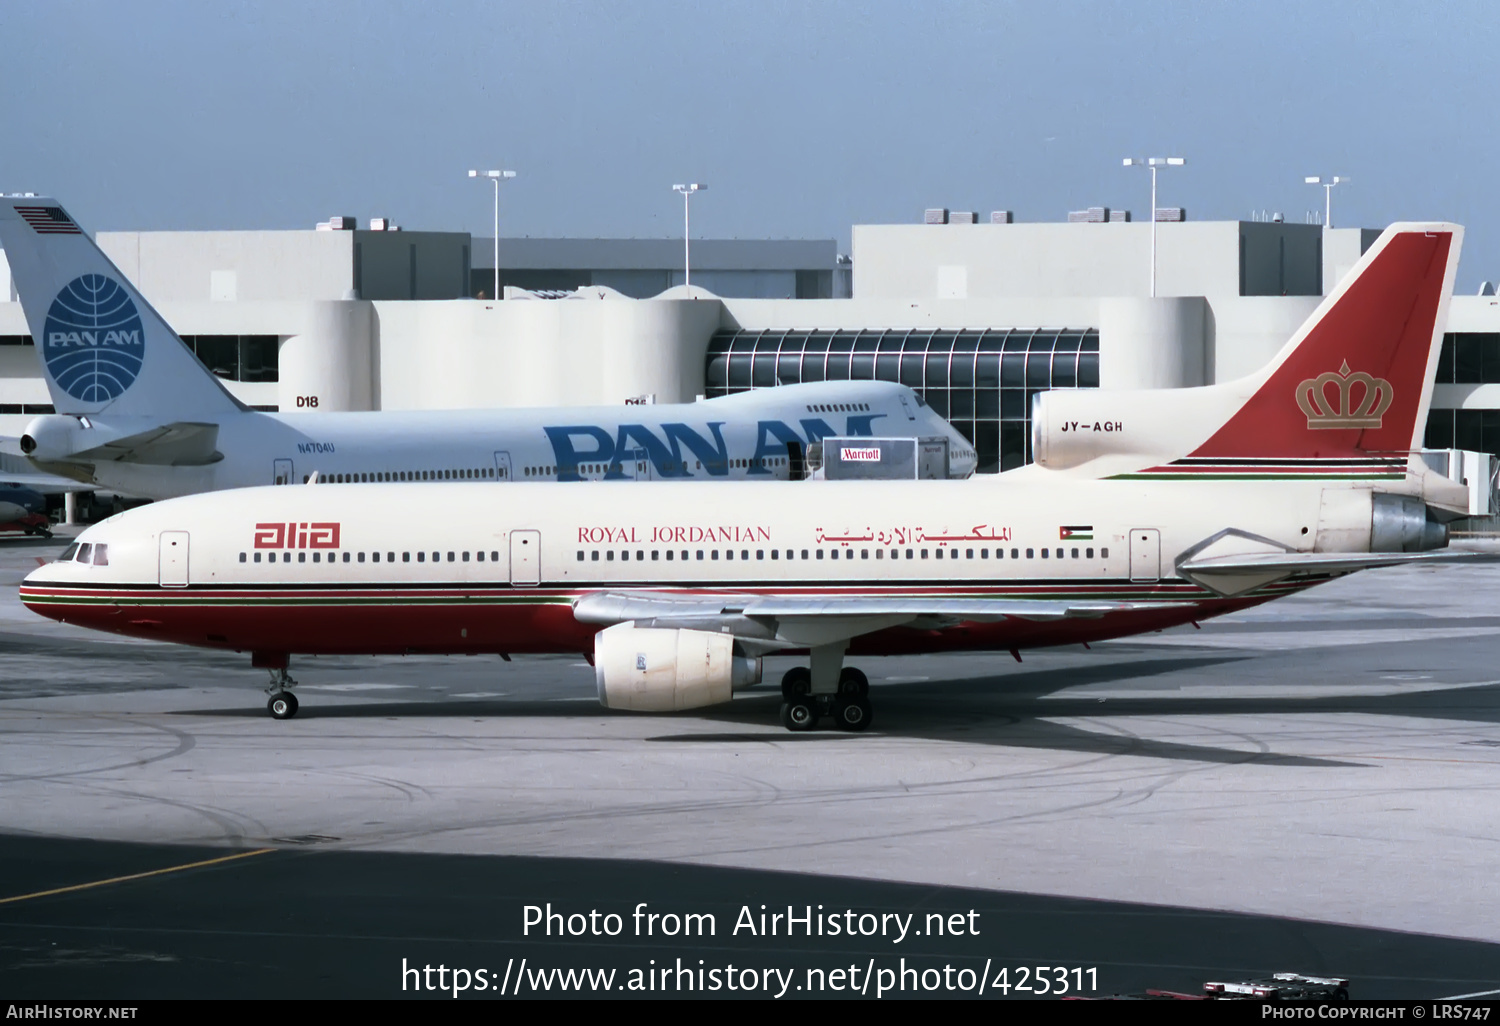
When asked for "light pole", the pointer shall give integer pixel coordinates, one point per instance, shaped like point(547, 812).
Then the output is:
point(497, 177)
point(687, 191)
point(1327, 184)
point(1154, 164)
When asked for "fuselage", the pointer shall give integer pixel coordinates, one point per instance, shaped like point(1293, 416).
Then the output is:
point(326, 569)
point(760, 435)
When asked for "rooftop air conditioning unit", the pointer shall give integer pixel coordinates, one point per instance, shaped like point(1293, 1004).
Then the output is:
point(935, 215)
point(1093, 215)
point(1002, 217)
point(1171, 213)
point(963, 217)
point(1119, 215)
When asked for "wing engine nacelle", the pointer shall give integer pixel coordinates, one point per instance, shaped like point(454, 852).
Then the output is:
point(651, 669)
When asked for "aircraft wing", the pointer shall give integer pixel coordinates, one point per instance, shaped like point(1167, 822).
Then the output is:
point(806, 620)
point(16, 471)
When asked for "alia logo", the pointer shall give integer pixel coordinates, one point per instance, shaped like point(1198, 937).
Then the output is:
point(92, 341)
point(1334, 411)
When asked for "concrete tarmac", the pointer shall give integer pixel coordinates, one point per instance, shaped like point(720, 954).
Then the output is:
point(1310, 787)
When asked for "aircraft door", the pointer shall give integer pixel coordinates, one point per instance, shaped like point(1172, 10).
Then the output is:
point(525, 558)
point(502, 466)
point(281, 472)
point(1145, 554)
point(172, 563)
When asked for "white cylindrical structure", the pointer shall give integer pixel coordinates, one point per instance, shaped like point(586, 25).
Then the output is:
point(329, 365)
point(1152, 343)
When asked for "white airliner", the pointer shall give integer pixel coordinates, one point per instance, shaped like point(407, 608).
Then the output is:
point(138, 413)
point(1298, 474)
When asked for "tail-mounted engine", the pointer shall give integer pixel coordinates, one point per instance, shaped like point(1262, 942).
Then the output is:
point(1404, 523)
point(653, 669)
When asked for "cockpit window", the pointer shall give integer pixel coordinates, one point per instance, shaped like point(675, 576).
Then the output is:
point(68, 553)
point(101, 554)
point(85, 553)
point(921, 402)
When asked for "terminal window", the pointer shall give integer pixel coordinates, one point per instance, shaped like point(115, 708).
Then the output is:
point(238, 357)
point(981, 381)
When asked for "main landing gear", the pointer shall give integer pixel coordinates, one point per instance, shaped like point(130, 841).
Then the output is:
point(282, 704)
point(848, 705)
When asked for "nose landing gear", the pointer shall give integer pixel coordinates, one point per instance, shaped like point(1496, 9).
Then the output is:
point(282, 705)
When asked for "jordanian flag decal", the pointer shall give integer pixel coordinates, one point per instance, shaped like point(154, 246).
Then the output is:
point(1085, 533)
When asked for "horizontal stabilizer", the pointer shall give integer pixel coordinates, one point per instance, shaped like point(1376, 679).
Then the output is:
point(1324, 562)
point(171, 445)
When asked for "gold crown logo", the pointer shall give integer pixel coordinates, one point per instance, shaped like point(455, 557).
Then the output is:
point(1375, 398)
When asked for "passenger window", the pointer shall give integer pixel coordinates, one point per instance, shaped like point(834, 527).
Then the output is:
point(286, 557)
point(609, 556)
point(728, 553)
point(1044, 553)
point(864, 553)
point(968, 553)
point(257, 557)
point(1030, 553)
point(450, 557)
point(1089, 553)
point(242, 557)
point(714, 554)
point(466, 557)
point(595, 556)
point(760, 553)
point(374, 557)
point(820, 553)
point(421, 557)
point(1015, 553)
point(315, 557)
point(406, 557)
point(580, 555)
point(1075, 553)
point(924, 553)
point(302, 557)
point(1104, 553)
point(625, 555)
point(985, 553)
point(804, 553)
point(494, 556)
point(640, 555)
point(346, 557)
point(910, 556)
point(655, 555)
point(361, 557)
point(880, 553)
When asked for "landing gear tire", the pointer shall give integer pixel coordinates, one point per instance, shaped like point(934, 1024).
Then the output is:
point(852, 714)
point(282, 706)
point(797, 683)
point(853, 683)
point(799, 715)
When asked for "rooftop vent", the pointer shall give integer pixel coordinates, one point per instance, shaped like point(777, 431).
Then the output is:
point(935, 215)
point(383, 224)
point(1093, 215)
point(1002, 217)
point(1119, 215)
point(1171, 213)
point(963, 217)
point(336, 224)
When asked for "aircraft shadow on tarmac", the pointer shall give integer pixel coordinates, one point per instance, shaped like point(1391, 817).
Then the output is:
point(1013, 710)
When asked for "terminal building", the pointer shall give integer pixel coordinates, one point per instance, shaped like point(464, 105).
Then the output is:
point(977, 318)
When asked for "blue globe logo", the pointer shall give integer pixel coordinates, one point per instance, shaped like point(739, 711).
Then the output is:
point(93, 343)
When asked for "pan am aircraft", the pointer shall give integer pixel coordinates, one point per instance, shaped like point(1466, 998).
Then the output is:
point(139, 414)
point(1202, 502)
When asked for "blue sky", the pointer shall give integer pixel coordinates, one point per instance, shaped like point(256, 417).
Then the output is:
point(803, 118)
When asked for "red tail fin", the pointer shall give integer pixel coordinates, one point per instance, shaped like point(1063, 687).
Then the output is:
point(1356, 379)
